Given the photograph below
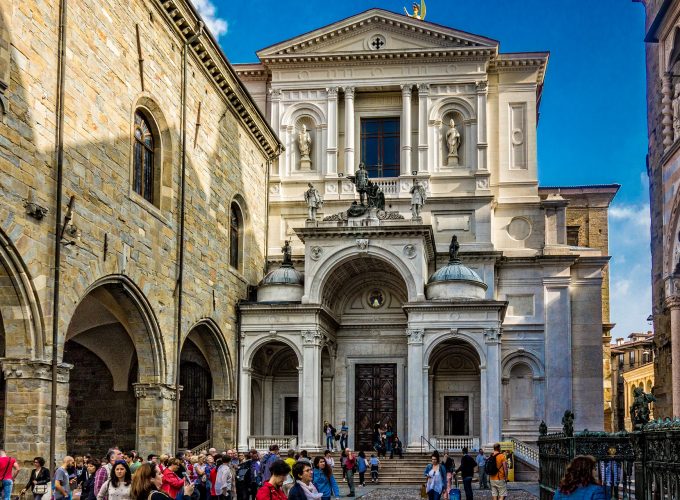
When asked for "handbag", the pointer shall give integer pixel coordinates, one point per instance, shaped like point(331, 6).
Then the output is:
point(39, 489)
point(423, 491)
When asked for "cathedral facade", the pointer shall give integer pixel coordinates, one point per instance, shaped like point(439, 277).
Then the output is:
point(448, 302)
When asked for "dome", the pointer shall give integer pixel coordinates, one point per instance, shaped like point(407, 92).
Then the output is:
point(284, 284)
point(455, 281)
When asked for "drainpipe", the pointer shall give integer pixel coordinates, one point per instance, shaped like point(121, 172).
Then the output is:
point(59, 141)
point(180, 277)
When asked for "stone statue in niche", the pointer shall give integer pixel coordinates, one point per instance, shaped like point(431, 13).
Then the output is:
point(454, 248)
point(313, 200)
point(418, 198)
point(305, 148)
point(453, 143)
point(287, 254)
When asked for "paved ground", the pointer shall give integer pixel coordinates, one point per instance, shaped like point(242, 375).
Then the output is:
point(517, 491)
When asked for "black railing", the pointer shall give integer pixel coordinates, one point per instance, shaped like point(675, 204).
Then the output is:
point(642, 465)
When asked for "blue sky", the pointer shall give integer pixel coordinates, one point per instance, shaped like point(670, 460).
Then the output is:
point(593, 115)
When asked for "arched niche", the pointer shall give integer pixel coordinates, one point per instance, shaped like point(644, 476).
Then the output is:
point(464, 115)
point(314, 119)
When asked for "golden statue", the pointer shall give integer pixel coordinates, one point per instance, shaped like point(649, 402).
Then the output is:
point(418, 10)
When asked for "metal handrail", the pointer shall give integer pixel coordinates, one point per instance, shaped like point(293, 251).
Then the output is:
point(423, 438)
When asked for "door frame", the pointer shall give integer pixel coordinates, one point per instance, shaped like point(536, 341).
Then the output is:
point(352, 361)
point(441, 427)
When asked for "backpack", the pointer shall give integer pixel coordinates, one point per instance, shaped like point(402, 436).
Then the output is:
point(491, 465)
point(267, 461)
point(243, 474)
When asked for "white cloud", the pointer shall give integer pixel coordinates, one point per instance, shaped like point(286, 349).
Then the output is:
point(636, 214)
point(217, 25)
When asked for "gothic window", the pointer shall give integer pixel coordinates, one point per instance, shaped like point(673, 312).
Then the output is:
point(380, 146)
point(143, 181)
point(235, 236)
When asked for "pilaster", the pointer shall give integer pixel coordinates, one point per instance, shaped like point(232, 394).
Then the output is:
point(310, 430)
point(482, 141)
point(156, 405)
point(423, 101)
point(332, 130)
point(223, 423)
point(417, 388)
point(406, 127)
point(492, 411)
point(244, 408)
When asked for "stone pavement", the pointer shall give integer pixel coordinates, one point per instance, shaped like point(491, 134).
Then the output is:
point(516, 491)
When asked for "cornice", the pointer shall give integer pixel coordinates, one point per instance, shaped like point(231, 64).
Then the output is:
point(405, 56)
point(261, 308)
point(472, 305)
point(183, 16)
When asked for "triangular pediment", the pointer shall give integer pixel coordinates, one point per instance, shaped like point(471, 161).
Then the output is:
point(377, 30)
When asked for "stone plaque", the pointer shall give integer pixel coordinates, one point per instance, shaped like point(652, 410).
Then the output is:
point(520, 305)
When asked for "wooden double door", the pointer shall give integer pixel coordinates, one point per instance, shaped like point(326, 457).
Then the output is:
point(376, 401)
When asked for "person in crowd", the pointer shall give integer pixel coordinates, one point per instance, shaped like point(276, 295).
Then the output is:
point(375, 467)
point(362, 466)
point(481, 462)
point(324, 481)
point(244, 478)
point(580, 481)
point(148, 481)
point(304, 488)
point(256, 466)
point(397, 447)
point(10, 468)
point(62, 485)
point(268, 460)
point(224, 480)
point(118, 486)
point(135, 461)
point(304, 457)
point(172, 479)
point(329, 431)
point(271, 489)
point(152, 458)
point(104, 472)
point(329, 458)
point(38, 483)
point(290, 459)
point(467, 472)
point(450, 465)
point(290, 480)
point(344, 435)
point(200, 477)
point(350, 469)
point(343, 460)
point(209, 467)
point(498, 473)
point(87, 485)
point(80, 467)
point(213, 478)
point(435, 472)
point(389, 434)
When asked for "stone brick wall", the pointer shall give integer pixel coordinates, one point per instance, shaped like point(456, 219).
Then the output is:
point(122, 234)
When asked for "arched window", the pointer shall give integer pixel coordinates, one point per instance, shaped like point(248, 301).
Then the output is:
point(235, 236)
point(143, 168)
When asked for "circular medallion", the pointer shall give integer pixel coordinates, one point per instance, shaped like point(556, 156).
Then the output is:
point(410, 251)
point(316, 253)
point(519, 229)
point(376, 298)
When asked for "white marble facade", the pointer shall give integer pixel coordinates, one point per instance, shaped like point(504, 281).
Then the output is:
point(485, 368)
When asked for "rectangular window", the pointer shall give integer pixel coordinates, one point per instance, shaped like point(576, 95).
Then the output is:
point(380, 146)
point(631, 358)
point(572, 235)
point(620, 361)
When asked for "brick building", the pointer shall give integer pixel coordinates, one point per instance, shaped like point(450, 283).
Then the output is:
point(140, 126)
point(663, 167)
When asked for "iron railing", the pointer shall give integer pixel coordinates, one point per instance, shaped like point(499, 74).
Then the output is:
point(525, 451)
point(657, 468)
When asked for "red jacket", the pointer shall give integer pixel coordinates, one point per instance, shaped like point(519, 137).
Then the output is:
point(269, 492)
point(172, 483)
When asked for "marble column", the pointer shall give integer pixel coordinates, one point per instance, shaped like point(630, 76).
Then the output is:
point(494, 412)
point(332, 130)
point(423, 99)
point(482, 144)
point(222, 423)
point(673, 303)
point(406, 128)
point(244, 408)
point(28, 391)
point(156, 410)
point(417, 411)
point(349, 130)
point(310, 428)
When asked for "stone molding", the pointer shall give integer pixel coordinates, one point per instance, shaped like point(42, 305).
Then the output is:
point(332, 92)
point(33, 369)
point(492, 336)
point(349, 92)
point(672, 302)
point(415, 336)
point(222, 405)
point(311, 338)
point(156, 391)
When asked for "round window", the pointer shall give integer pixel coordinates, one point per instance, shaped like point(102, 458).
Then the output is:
point(376, 298)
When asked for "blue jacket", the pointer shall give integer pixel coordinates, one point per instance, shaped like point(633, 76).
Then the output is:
point(327, 487)
point(590, 492)
point(296, 493)
point(442, 472)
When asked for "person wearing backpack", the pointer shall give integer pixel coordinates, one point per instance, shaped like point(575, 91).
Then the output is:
point(244, 479)
point(496, 468)
point(268, 460)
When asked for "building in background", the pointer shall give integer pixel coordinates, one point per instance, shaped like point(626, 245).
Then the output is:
point(632, 363)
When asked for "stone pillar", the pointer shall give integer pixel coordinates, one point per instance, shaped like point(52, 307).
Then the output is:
point(673, 303)
point(310, 430)
point(244, 408)
point(417, 410)
point(349, 130)
point(406, 129)
point(558, 367)
point(482, 144)
point(667, 110)
point(222, 423)
point(267, 413)
point(156, 410)
point(275, 100)
point(423, 99)
point(332, 141)
point(494, 413)
point(28, 393)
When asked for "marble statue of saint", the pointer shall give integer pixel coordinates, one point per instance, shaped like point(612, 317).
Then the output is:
point(453, 142)
point(313, 200)
point(418, 10)
point(305, 147)
point(418, 198)
point(287, 255)
point(676, 112)
point(360, 180)
point(454, 247)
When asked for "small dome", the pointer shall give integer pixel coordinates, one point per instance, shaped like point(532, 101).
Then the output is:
point(283, 276)
point(455, 281)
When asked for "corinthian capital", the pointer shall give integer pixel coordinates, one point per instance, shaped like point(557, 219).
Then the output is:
point(311, 337)
point(415, 335)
